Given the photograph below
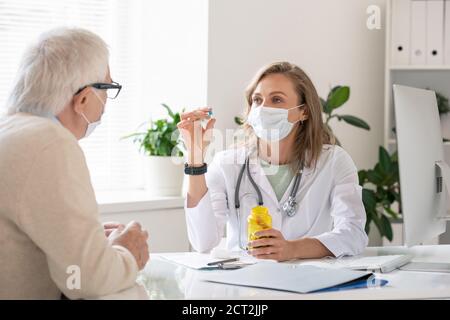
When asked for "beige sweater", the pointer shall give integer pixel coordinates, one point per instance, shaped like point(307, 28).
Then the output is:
point(49, 217)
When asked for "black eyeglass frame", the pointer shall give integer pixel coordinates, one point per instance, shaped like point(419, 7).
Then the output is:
point(103, 86)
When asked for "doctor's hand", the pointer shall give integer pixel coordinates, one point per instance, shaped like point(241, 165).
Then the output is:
point(195, 137)
point(273, 247)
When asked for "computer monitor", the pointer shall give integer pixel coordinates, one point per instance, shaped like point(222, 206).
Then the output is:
point(422, 166)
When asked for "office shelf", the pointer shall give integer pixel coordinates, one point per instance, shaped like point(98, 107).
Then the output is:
point(432, 77)
point(419, 68)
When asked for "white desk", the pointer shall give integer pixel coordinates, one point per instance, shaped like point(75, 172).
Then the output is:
point(164, 280)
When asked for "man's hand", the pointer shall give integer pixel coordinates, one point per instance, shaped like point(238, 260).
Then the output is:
point(134, 239)
point(109, 227)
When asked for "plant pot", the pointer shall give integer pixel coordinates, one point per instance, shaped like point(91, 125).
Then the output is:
point(375, 239)
point(397, 232)
point(164, 176)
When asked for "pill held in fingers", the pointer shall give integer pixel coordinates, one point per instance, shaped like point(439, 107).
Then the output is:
point(208, 113)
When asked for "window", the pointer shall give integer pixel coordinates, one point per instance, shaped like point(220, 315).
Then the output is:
point(158, 54)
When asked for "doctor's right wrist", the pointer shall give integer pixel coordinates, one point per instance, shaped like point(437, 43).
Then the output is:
point(195, 165)
point(195, 162)
point(195, 171)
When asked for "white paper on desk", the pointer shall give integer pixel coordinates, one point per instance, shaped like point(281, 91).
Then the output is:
point(287, 277)
point(200, 261)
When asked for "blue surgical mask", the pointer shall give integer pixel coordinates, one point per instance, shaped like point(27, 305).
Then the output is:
point(91, 125)
point(271, 124)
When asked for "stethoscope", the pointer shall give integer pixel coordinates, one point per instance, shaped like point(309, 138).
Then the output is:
point(289, 207)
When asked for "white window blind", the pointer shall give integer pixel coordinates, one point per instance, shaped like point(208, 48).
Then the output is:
point(114, 164)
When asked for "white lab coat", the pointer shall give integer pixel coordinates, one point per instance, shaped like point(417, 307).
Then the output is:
point(329, 199)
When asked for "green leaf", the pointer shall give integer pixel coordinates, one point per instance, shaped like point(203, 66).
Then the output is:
point(374, 177)
point(376, 220)
point(368, 221)
point(397, 196)
point(442, 103)
point(325, 107)
point(369, 199)
point(169, 111)
point(354, 121)
point(385, 160)
point(389, 196)
point(239, 121)
point(338, 96)
point(133, 135)
point(362, 177)
point(387, 228)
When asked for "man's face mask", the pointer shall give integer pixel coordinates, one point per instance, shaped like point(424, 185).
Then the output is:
point(92, 125)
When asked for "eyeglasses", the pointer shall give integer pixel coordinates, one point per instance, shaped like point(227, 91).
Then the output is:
point(112, 89)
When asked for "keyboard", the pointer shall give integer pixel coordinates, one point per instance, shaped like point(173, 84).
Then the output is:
point(383, 264)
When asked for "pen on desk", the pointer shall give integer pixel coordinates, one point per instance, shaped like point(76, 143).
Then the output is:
point(222, 261)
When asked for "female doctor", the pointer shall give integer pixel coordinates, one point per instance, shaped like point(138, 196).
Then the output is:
point(288, 164)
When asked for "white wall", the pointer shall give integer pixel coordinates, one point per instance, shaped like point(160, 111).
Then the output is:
point(175, 51)
point(327, 38)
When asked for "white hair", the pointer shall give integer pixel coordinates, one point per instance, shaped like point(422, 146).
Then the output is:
point(52, 70)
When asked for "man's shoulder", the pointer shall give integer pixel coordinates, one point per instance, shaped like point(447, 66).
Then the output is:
point(28, 134)
point(33, 132)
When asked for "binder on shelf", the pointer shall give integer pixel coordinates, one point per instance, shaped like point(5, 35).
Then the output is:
point(447, 32)
point(435, 32)
point(401, 24)
point(418, 32)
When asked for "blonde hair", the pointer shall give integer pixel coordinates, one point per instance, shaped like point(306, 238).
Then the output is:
point(312, 134)
point(53, 69)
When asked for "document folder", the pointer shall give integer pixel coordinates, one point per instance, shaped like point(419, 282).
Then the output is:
point(447, 32)
point(419, 32)
point(288, 277)
point(401, 28)
point(435, 32)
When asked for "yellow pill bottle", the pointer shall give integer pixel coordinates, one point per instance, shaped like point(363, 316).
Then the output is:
point(259, 219)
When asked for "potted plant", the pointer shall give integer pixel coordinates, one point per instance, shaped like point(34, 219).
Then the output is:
point(381, 191)
point(163, 157)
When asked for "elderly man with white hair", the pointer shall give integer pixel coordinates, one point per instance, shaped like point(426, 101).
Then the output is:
point(51, 241)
